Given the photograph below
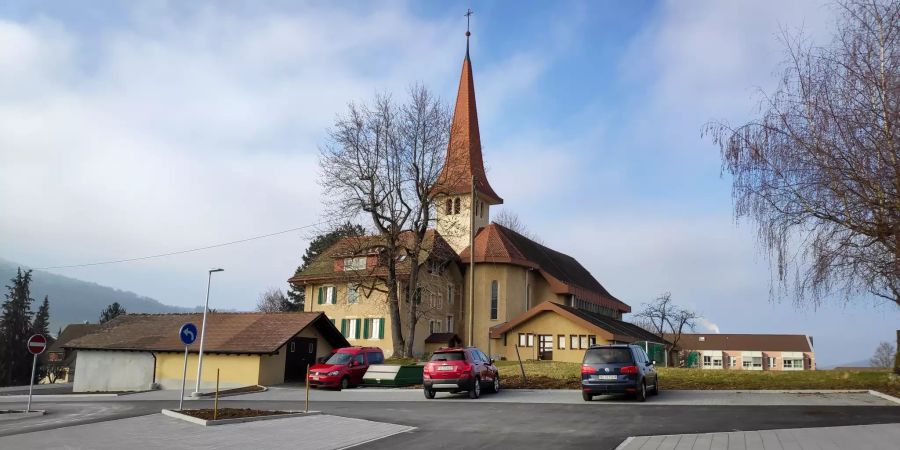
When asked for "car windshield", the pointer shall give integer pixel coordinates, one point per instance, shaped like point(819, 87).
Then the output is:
point(607, 356)
point(339, 358)
point(448, 356)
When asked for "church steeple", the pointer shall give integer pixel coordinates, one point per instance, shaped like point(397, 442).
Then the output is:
point(464, 159)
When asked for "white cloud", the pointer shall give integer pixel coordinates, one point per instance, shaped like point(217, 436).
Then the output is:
point(186, 126)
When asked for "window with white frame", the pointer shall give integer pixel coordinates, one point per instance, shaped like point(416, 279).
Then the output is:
point(573, 342)
point(435, 300)
point(771, 362)
point(353, 328)
point(450, 323)
point(583, 341)
point(326, 295)
point(732, 361)
point(355, 263)
point(793, 363)
point(561, 344)
point(450, 294)
point(352, 293)
point(523, 342)
point(530, 340)
point(707, 361)
point(435, 326)
point(717, 361)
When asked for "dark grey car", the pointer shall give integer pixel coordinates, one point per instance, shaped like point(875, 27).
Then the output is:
point(617, 369)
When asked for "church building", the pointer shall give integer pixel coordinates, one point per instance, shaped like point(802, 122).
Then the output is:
point(526, 298)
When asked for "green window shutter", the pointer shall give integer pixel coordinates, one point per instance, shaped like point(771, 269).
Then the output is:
point(358, 328)
point(321, 295)
point(380, 328)
point(366, 328)
point(344, 327)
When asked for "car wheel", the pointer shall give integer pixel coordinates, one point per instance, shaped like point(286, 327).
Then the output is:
point(641, 395)
point(496, 387)
point(429, 393)
point(345, 383)
point(655, 390)
point(587, 397)
point(475, 392)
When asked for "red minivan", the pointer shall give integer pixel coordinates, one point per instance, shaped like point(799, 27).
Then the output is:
point(345, 367)
point(460, 370)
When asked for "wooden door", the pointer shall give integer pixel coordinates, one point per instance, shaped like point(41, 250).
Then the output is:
point(545, 347)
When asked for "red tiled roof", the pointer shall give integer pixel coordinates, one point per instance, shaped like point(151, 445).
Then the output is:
point(254, 332)
point(464, 159)
point(745, 342)
point(498, 244)
point(607, 327)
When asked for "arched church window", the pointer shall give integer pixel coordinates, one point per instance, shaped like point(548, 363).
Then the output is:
point(456, 206)
point(448, 207)
point(494, 295)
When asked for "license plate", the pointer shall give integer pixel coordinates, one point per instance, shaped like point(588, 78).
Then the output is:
point(445, 368)
point(607, 377)
point(315, 378)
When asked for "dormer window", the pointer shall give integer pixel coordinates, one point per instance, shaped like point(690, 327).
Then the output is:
point(456, 207)
point(355, 263)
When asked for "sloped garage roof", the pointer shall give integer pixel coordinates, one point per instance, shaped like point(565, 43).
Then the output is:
point(254, 332)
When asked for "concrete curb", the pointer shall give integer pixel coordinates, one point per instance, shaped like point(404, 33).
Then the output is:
point(887, 397)
point(14, 414)
point(209, 395)
point(207, 423)
point(57, 396)
point(625, 443)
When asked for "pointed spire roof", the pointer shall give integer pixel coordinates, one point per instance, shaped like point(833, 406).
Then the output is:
point(464, 158)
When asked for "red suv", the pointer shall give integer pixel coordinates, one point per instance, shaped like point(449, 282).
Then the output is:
point(459, 370)
point(345, 367)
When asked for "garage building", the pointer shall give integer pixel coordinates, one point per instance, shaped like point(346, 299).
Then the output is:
point(136, 352)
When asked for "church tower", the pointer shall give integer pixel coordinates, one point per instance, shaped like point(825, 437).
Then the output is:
point(463, 171)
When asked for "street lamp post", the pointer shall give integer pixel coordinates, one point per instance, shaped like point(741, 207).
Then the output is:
point(203, 331)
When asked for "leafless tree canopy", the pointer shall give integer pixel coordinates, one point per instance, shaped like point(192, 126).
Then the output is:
point(272, 300)
point(819, 172)
point(884, 356)
point(509, 219)
point(663, 317)
point(381, 161)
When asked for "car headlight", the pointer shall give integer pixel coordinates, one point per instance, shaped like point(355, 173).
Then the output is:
point(334, 373)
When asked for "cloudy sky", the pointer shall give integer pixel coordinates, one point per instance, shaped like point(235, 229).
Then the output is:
point(138, 128)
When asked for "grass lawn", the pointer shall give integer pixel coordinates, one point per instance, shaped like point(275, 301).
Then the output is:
point(560, 375)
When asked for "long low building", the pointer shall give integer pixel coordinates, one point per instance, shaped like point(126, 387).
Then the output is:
point(748, 351)
point(137, 352)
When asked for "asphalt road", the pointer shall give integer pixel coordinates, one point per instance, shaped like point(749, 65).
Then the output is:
point(508, 425)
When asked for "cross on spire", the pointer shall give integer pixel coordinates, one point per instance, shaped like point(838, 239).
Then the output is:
point(468, 15)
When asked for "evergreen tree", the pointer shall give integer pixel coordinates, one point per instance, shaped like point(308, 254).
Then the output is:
point(111, 312)
point(296, 294)
point(41, 323)
point(15, 329)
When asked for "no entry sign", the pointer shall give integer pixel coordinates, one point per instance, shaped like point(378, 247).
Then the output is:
point(37, 344)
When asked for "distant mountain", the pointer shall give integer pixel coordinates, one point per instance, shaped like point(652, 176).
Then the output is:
point(860, 363)
point(76, 301)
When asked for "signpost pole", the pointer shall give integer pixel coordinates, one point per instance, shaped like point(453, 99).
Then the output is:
point(307, 388)
point(31, 383)
point(183, 379)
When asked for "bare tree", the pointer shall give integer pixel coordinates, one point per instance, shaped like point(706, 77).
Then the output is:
point(272, 300)
point(667, 320)
point(382, 160)
point(509, 219)
point(819, 172)
point(884, 356)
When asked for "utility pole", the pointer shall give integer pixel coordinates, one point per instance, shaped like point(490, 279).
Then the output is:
point(471, 337)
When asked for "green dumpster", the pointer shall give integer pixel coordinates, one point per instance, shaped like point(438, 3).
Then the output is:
point(388, 375)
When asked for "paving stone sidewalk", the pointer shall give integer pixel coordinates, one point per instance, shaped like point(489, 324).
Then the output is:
point(873, 437)
point(156, 431)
